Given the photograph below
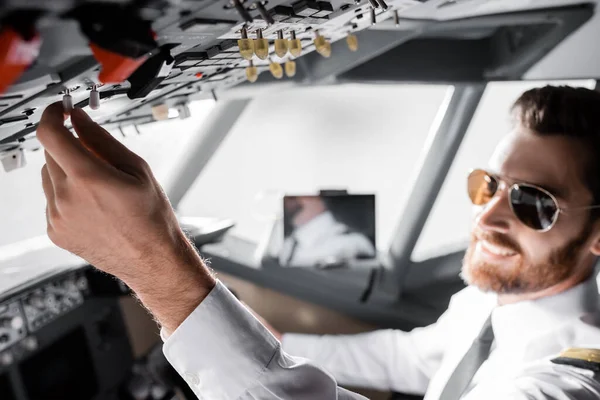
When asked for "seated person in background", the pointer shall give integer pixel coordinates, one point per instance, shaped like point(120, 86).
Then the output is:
point(530, 265)
point(317, 238)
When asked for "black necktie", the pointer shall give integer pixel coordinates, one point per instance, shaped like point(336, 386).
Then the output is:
point(468, 366)
point(292, 251)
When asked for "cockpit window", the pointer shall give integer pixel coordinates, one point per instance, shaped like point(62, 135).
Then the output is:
point(366, 139)
point(23, 203)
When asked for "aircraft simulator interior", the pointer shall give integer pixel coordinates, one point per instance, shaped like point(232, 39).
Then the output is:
point(70, 332)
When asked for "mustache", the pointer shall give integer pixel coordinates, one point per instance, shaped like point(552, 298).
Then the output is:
point(497, 239)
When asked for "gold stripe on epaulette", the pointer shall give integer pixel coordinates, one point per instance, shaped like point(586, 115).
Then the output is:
point(590, 355)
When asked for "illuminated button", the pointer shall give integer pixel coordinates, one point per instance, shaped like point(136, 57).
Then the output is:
point(295, 46)
point(251, 73)
point(322, 46)
point(17, 323)
point(276, 70)
point(352, 42)
point(246, 45)
point(290, 68)
point(261, 45)
point(281, 45)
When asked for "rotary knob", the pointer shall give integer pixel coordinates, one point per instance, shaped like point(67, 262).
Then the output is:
point(15, 323)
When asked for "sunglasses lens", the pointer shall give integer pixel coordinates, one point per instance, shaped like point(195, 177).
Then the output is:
point(533, 207)
point(481, 187)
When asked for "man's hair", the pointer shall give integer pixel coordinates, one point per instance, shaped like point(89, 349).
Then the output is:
point(568, 111)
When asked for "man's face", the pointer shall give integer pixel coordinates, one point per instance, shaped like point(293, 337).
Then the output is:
point(292, 206)
point(504, 255)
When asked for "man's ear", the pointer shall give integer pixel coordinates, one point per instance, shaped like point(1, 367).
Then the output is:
point(595, 246)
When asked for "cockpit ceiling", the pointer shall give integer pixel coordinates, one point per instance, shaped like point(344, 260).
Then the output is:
point(137, 59)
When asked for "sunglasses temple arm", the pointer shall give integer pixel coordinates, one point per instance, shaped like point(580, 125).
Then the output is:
point(565, 210)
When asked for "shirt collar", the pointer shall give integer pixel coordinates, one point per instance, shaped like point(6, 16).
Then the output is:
point(515, 323)
point(310, 231)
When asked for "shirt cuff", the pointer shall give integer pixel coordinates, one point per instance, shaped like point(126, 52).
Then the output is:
point(220, 349)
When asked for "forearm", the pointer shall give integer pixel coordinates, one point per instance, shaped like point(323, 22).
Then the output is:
point(174, 283)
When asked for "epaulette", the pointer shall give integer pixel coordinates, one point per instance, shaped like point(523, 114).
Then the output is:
point(580, 358)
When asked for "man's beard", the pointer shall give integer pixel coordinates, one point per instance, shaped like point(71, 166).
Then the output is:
point(522, 277)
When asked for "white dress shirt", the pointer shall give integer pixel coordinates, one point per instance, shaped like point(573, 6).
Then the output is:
point(223, 352)
point(323, 239)
point(527, 334)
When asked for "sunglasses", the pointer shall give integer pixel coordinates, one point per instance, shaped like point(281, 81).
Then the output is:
point(534, 206)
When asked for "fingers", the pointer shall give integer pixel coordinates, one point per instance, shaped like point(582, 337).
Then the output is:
point(61, 145)
point(54, 170)
point(48, 188)
point(100, 142)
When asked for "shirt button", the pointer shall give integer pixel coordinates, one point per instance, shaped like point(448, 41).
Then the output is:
point(191, 379)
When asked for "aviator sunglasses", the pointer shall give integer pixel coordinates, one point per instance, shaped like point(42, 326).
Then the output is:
point(534, 206)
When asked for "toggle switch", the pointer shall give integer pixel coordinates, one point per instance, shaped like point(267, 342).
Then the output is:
point(281, 45)
point(294, 45)
point(261, 45)
point(352, 42)
point(322, 45)
point(276, 70)
point(246, 45)
point(94, 98)
point(251, 72)
point(67, 102)
point(373, 17)
point(290, 68)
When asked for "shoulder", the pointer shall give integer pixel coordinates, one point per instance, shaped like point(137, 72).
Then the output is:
point(571, 374)
point(576, 332)
point(583, 358)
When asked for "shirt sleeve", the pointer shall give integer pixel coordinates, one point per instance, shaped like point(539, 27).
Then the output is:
point(541, 381)
point(223, 352)
point(384, 360)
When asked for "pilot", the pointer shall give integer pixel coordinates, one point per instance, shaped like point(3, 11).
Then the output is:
point(317, 238)
point(532, 287)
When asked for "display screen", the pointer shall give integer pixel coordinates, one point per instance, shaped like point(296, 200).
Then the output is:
point(327, 230)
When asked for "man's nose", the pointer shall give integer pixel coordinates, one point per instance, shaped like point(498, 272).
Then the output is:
point(496, 215)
